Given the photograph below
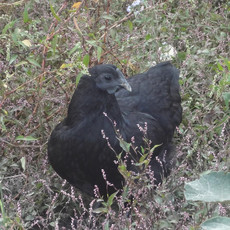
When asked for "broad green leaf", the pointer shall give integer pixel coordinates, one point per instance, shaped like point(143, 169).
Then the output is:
point(211, 187)
point(27, 138)
point(13, 58)
point(216, 223)
point(8, 26)
point(124, 145)
point(143, 157)
point(78, 78)
point(86, 60)
point(220, 67)
point(111, 198)
point(109, 17)
point(33, 62)
point(123, 171)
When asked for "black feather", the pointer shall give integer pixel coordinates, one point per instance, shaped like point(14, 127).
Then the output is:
point(77, 150)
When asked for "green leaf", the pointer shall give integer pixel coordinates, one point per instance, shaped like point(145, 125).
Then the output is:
point(111, 198)
point(53, 12)
point(66, 65)
point(78, 78)
point(86, 60)
point(2, 209)
point(147, 37)
point(142, 150)
point(216, 223)
point(25, 14)
point(211, 187)
point(220, 67)
point(106, 226)
point(143, 157)
point(181, 56)
point(92, 42)
point(124, 145)
point(143, 160)
point(130, 25)
point(23, 163)
point(100, 210)
point(99, 51)
point(76, 47)
point(226, 97)
point(54, 43)
point(109, 17)
point(123, 171)
point(3, 127)
point(52, 224)
point(21, 63)
point(154, 147)
point(33, 62)
point(27, 138)
point(8, 26)
point(227, 63)
point(13, 58)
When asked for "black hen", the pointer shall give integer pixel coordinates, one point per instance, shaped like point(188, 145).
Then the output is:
point(77, 150)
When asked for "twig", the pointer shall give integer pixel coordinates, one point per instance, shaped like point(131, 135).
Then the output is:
point(129, 15)
point(15, 176)
point(50, 36)
point(20, 146)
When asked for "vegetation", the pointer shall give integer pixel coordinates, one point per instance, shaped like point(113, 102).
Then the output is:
point(45, 48)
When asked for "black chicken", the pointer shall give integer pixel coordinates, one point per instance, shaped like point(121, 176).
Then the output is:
point(84, 146)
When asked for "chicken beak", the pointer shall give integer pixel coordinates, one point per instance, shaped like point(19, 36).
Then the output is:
point(126, 85)
point(124, 82)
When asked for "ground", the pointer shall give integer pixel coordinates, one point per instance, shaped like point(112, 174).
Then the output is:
point(45, 48)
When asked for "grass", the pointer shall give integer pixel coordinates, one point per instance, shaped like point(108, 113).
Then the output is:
point(44, 50)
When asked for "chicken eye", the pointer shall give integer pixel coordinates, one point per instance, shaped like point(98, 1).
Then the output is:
point(107, 77)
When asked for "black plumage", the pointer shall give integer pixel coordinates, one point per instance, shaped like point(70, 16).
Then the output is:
point(77, 149)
